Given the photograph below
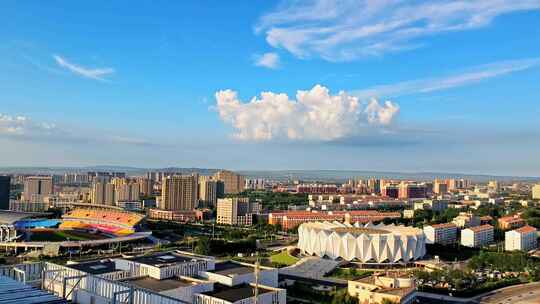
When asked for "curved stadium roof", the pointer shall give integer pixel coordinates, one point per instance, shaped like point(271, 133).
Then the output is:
point(10, 217)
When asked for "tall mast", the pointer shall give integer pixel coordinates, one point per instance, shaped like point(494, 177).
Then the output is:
point(257, 270)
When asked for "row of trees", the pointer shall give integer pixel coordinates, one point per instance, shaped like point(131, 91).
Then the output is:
point(276, 200)
point(503, 261)
point(532, 216)
point(207, 246)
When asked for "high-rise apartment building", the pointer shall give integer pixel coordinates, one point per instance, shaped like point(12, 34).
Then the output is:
point(255, 184)
point(103, 193)
point(208, 190)
point(536, 192)
point(4, 192)
point(232, 182)
point(374, 185)
point(440, 187)
point(179, 192)
point(37, 188)
point(493, 186)
point(127, 192)
point(408, 190)
point(75, 178)
point(236, 211)
point(118, 190)
point(146, 186)
point(390, 190)
point(104, 176)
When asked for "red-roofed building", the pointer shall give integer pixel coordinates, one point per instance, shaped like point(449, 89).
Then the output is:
point(477, 236)
point(485, 220)
point(445, 234)
point(292, 219)
point(511, 222)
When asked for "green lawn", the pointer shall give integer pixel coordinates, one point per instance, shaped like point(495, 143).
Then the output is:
point(349, 274)
point(283, 258)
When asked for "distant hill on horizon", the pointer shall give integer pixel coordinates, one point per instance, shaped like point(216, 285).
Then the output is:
point(279, 175)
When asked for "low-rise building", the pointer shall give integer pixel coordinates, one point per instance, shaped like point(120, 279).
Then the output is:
point(376, 289)
point(466, 219)
point(444, 234)
point(167, 277)
point(435, 205)
point(182, 216)
point(292, 219)
point(524, 238)
point(232, 273)
point(511, 222)
point(408, 213)
point(241, 294)
point(165, 265)
point(485, 220)
point(179, 287)
point(477, 236)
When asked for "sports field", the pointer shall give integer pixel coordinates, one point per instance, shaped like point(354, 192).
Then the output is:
point(63, 235)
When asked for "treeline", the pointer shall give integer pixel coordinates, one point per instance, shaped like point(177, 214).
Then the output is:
point(276, 200)
point(219, 247)
point(532, 216)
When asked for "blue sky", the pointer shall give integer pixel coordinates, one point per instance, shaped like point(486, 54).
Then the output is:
point(161, 83)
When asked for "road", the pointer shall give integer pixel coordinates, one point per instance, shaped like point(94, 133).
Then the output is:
point(520, 294)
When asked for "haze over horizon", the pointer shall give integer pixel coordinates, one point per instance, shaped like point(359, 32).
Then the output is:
point(429, 86)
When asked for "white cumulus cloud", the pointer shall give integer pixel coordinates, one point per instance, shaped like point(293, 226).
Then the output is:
point(92, 73)
point(267, 60)
point(314, 115)
point(349, 29)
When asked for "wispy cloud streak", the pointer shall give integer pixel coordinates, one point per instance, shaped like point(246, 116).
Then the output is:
point(23, 128)
point(471, 76)
point(350, 29)
point(92, 73)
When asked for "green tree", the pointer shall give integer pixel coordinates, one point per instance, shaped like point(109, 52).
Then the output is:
point(203, 246)
point(342, 297)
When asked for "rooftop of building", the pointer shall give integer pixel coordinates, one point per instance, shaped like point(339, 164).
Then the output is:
point(95, 267)
point(510, 219)
point(526, 229)
point(387, 290)
point(8, 217)
point(444, 225)
point(481, 228)
point(355, 230)
point(156, 285)
point(235, 293)
point(12, 291)
point(163, 259)
point(358, 228)
point(229, 268)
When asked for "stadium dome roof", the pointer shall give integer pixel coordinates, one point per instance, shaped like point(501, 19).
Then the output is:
point(10, 217)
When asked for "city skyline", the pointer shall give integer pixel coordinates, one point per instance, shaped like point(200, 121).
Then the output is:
point(273, 85)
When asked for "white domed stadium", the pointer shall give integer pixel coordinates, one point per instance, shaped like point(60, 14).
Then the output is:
point(370, 243)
